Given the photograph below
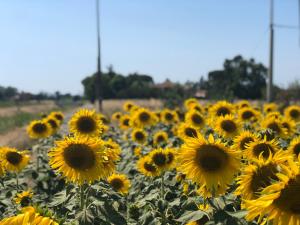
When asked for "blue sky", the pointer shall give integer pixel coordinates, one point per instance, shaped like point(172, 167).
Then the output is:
point(51, 45)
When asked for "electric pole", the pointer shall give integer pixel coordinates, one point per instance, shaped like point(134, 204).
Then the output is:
point(270, 71)
point(98, 89)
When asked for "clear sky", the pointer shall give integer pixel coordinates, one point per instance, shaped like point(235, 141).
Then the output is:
point(49, 45)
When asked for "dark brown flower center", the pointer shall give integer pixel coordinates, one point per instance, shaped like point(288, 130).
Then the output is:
point(245, 142)
point(222, 111)
point(289, 199)
point(264, 149)
point(274, 127)
point(86, 124)
point(296, 149)
point(53, 123)
point(190, 132)
point(211, 158)
point(25, 201)
point(116, 183)
point(159, 159)
point(248, 114)
point(197, 119)
point(228, 126)
point(139, 136)
point(294, 113)
point(169, 116)
point(149, 167)
point(144, 117)
point(39, 128)
point(263, 177)
point(79, 156)
point(126, 122)
point(13, 158)
point(59, 117)
point(160, 138)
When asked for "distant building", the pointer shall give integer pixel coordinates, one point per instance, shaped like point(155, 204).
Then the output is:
point(200, 94)
point(167, 84)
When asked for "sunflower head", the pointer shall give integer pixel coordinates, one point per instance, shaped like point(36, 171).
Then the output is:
point(160, 158)
point(143, 117)
point(221, 108)
point(53, 122)
point(275, 125)
point(248, 114)
point(124, 122)
point(243, 104)
point(39, 129)
point(147, 167)
point(81, 159)
point(270, 107)
point(58, 116)
point(290, 126)
point(263, 148)
point(160, 138)
point(112, 149)
point(294, 147)
point(116, 116)
point(208, 162)
point(86, 123)
point(13, 160)
point(186, 131)
point(127, 106)
point(188, 103)
point(279, 201)
point(139, 136)
point(119, 182)
point(24, 198)
point(195, 118)
point(169, 116)
point(243, 139)
point(293, 112)
point(227, 126)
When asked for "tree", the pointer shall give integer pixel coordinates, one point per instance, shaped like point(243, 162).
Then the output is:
point(240, 78)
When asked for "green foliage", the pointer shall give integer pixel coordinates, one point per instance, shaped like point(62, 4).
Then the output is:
point(18, 120)
point(239, 78)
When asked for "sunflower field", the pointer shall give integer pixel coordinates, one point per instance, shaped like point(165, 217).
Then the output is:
point(199, 164)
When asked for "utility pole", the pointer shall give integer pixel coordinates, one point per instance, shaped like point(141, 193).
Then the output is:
point(98, 88)
point(270, 71)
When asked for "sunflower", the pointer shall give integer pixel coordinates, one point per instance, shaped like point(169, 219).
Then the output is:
point(197, 107)
point(270, 107)
point(124, 122)
point(189, 102)
point(260, 174)
point(294, 147)
point(104, 119)
point(58, 116)
point(113, 150)
point(221, 108)
point(39, 129)
point(169, 116)
point(24, 199)
point(275, 125)
point(146, 167)
point(160, 137)
point(54, 123)
point(248, 114)
point(208, 162)
point(139, 135)
point(162, 159)
point(13, 160)
point(195, 118)
point(143, 117)
point(293, 112)
point(29, 216)
point(243, 104)
point(81, 159)
point(290, 126)
point(227, 126)
point(127, 106)
point(2, 171)
point(274, 115)
point(261, 147)
point(204, 219)
point(86, 123)
point(119, 182)
point(116, 116)
point(137, 151)
point(186, 130)
point(279, 202)
point(243, 139)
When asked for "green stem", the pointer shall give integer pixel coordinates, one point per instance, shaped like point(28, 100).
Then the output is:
point(17, 181)
point(162, 192)
point(82, 197)
point(127, 209)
